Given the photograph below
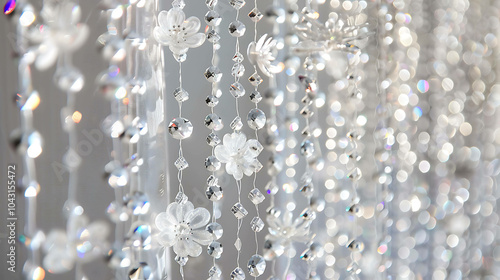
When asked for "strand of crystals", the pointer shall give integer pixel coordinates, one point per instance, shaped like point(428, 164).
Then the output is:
point(237, 29)
point(214, 123)
point(26, 140)
point(256, 120)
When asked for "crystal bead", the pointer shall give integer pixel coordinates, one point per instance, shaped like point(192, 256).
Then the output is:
point(237, 274)
point(238, 70)
point(181, 198)
point(214, 193)
point(214, 273)
point(181, 260)
point(255, 79)
point(353, 268)
point(181, 163)
point(211, 3)
point(257, 224)
point(239, 211)
point(356, 246)
point(212, 180)
point(306, 112)
point(308, 214)
point(69, 79)
point(117, 258)
point(213, 121)
point(273, 212)
point(215, 249)
point(213, 140)
point(238, 57)
point(308, 83)
point(140, 235)
point(237, 4)
point(354, 210)
point(137, 203)
point(256, 196)
point(237, 244)
point(273, 249)
point(307, 189)
point(117, 212)
point(256, 119)
point(256, 265)
point(317, 204)
point(213, 36)
point(180, 57)
point(355, 174)
point(274, 165)
point(130, 135)
point(118, 177)
point(212, 18)
point(307, 148)
point(213, 74)
point(211, 101)
point(236, 124)
point(181, 95)
point(237, 90)
point(215, 229)
point(255, 97)
point(272, 188)
point(180, 128)
point(237, 28)
point(255, 15)
point(212, 164)
point(178, 4)
point(141, 272)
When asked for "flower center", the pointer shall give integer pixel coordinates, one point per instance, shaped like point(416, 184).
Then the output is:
point(183, 229)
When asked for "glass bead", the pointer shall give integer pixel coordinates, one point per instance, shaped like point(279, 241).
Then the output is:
point(317, 204)
point(118, 177)
point(212, 164)
point(118, 212)
point(255, 79)
point(307, 148)
point(353, 268)
point(118, 258)
point(273, 249)
point(137, 203)
point(215, 229)
point(178, 4)
point(213, 140)
point(355, 174)
point(215, 250)
point(239, 211)
point(214, 193)
point(180, 128)
point(237, 4)
point(213, 74)
point(238, 70)
point(255, 15)
point(236, 124)
point(131, 135)
point(307, 190)
point(212, 18)
point(256, 119)
point(256, 265)
point(181, 198)
point(257, 224)
point(140, 235)
point(112, 127)
point(214, 273)
point(274, 165)
point(237, 28)
point(213, 36)
point(255, 97)
point(181, 163)
point(181, 95)
point(237, 274)
point(211, 101)
point(69, 79)
point(354, 210)
point(237, 90)
point(181, 260)
point(256, 196)
point(308, 214)
point(356, 246)
point(238, 57)
point(306, 112)
point(212, 180)
point(308, 83)
point(141, 272)
point(272, 188)
point(237, 244)
point(213, 121)
point(211, 3)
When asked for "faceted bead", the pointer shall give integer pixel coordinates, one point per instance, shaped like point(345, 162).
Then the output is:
point(236, 124)
point(215, 229)
point(273, 249)
point(356, 246)
point(306, 112)
point(181, 198)
point(257, 224)
point(211, 101)
point(273, 212)
point(215, 249)
point(238, 57)
point(117, 212)
point(239, 211)
point(317, 204)
point(130, 135)
point(255, 15)
point(274, 165)
point(181, 260)
point(237, 28)
point(237, 4)
point(256, 119)
point(214, 273)
point(118, 177)
point(141, 272)
point(272, 188)
point(181, 163)
point(217, 93)
point(237, 244)
point(180, 128)
point(140, 235)
point(211, 3)
point(213, 18)
point(213, 74)
point(212, 180)
point(354, 209)
point(256, 265)
point(214, 193)
point(308, 214)
point(307, 148)
point(237, 274)
point(213, 36)
point(178, 4)
point(238, 70)
point(255, 97)
point(213, 140)
point(355, 174)
point(255, 79)
point(307, 189)
point(256, 196)
point(181, 95)
point(237, 90)
point(137, 203)
point(353, 268)
point(308, 83)
point(213, 121)
point(180, 57)
point(212, 164)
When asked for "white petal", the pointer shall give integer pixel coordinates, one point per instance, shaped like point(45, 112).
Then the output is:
point(180, 248)
point(167, 238)
point(202, 237)
point(193, 249)
point(197, 218)
point(231, 167)
point(195, 40)
point(222, 154)
point(287, 219)
point(165, 221)
point(260, 43)
point(163, 20)
point(252, 53)
point(175, 17)
point(161, 37)
point(191, 25)
point(177, 49)
point(240, 139)
point(183, 209)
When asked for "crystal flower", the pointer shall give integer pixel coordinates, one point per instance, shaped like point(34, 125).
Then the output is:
point(61, 32)
point(284, 230)
point(260, 53)
point(183, 227)
point(239, 155)
point(177, 32)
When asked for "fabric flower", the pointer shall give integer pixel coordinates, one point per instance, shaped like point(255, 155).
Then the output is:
point(260, 53)
point(177, 32)
point(183, 227)
point(239, 155)
point(283, 231)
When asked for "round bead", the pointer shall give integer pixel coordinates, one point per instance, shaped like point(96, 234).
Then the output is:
point(211, 101)
point(212, 164)
point(215, 229)
point(256, 119)
point(256, 265)
point(180, 128)
point(215, 249)
point(213, 74)
point(237, 90)
point(237, 28)
point(213, 18)
point(213, 121)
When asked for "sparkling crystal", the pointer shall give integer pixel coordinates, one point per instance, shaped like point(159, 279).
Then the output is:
point(137, 203)
point(307, 148)
point(355, 174)
point(211, 101)
point(237, 89)
point(181, 95)
point(213, 74)
point(353, 268)
point(356, 246)
point(308, 214)
point(255, 79)
point(130, 135)
point(256, 119)
point(213, 121)
point(256, 196)
point(181, 198)
point(237, 274)
point(180, 128)
point(181, 260)
point(212, 180)
point(256, 265)
point(306, 112)
point(9, 7)
point(214, 273)
point(118, 177)
point(215, 249)
point(212, 18)
point(117, 258)
point(255, 96)
point(213, 140)
point(308, 83)
point(237, 244)
point(69, 79)
point(354, 209)
point(215, 229)
point(213, 36)
point(211, 3)
point(236, 124)
point(180, 57)
point(238, 57)
point(307, 189)
point(238, 70)
point(255, 15)
point(317, 204)
point(214, 193)
point(237, 28)
point(273, 249)
point(212, 164)
point(140, 235)
point(178, 4)
point(117, 212)
point(272, 188)
point(239, 211)
point(257, 224)
point(141, 272)
point(181, 163)
point(237, 4)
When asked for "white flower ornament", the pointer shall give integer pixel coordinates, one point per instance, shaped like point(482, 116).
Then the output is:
point(239, 155)
point(177, 32)
point(260, 54)
point(183, 227)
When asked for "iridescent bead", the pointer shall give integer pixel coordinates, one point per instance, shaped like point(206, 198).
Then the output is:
point(237, 28)
point(256, 119)
point(272, 188)
point(180, 128)
point(256, 265)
